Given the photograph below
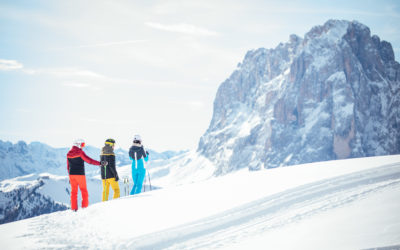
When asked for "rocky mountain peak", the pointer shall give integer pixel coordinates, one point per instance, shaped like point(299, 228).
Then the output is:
point(332, 95)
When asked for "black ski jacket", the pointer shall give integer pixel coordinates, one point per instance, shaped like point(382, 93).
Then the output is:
point(75, 159)
point(139, 152)
point(110, 171)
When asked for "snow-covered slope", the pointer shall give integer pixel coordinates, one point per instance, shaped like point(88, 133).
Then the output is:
point(346, 204)
point(182, 169)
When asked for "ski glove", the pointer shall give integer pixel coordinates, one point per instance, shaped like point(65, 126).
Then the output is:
point(147, 152)
point(116, 178)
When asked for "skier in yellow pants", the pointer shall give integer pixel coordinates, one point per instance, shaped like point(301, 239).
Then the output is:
point(109, 173)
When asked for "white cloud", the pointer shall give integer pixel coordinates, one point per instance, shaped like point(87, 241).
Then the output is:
point(81, 85)
point(105, 44)
point(10, 65)
point(74, 72)
point(64, 72)
point(78, 78)
point(183, 28)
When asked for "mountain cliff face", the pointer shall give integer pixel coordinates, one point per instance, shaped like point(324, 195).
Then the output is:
point(333, 94)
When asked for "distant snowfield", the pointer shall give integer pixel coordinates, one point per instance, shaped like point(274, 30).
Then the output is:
point(347, 204)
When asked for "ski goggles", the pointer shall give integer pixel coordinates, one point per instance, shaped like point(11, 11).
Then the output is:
point(110, 142)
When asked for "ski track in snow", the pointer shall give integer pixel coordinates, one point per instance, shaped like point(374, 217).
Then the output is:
point(275, 211)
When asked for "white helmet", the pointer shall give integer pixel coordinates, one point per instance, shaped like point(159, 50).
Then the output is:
point(137, 138)
point(80, 143)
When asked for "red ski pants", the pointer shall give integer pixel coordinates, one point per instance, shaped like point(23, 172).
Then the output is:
point(78, 181)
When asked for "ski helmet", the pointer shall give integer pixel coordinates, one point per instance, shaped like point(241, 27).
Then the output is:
point(137, 138)
point(80, 143)
point(110, 142)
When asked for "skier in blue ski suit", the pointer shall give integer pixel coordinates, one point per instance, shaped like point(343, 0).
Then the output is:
point(138, 155)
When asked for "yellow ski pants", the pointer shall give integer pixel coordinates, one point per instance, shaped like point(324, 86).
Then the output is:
point(106, 187)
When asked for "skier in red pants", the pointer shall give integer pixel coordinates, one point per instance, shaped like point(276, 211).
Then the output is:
point(76, 171)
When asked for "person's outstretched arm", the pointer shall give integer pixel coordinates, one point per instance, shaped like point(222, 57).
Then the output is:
point(89, 160)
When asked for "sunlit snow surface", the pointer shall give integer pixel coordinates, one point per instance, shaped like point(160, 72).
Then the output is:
point(347, 204)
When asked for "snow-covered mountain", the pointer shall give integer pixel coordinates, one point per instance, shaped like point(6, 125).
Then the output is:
point(21, 158)
point(344, 204)
point(20, 201)
point(333, 94)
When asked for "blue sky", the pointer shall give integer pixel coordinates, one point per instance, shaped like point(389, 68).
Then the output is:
point(99, 69)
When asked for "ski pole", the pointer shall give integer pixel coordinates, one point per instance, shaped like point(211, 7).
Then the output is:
point(148, 175)
point(144, 184)
point(105, 163)
point(126, 186)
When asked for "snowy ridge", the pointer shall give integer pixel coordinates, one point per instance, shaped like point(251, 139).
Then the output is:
point(347, 204)
point(185, 168)
point(21, 198)
point(188, 168)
